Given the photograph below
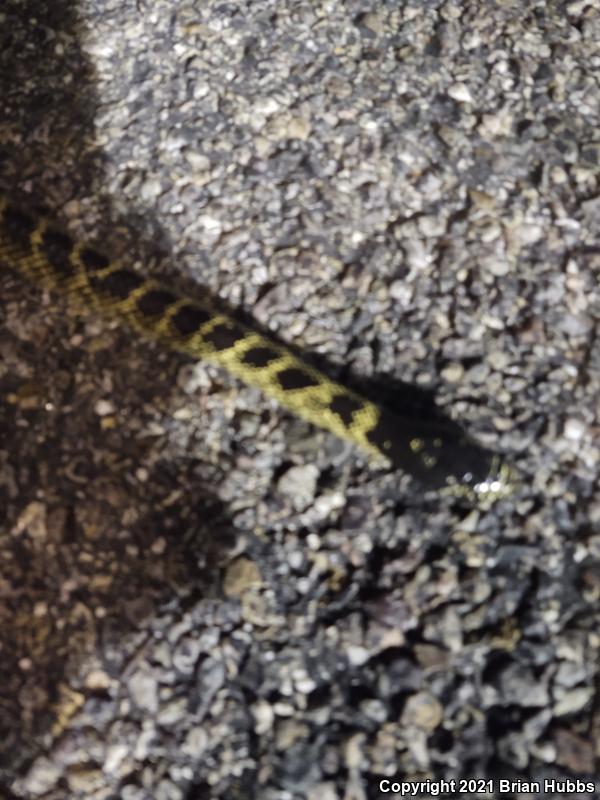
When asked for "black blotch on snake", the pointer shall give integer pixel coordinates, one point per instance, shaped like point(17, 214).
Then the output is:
point(19, 226)
point(119, 284)
point(224, 336)
point(155, 301)
point(344, 407)
point(92, 260)
point(260, 356)
point(294, 378)
point(189, 319)
point(57, 249)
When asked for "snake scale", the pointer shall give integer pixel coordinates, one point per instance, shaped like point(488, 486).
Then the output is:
point(430, 451)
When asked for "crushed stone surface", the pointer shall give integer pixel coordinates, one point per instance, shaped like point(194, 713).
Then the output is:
point(203, 597)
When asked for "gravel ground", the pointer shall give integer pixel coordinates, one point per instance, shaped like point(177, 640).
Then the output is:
point(202, 597)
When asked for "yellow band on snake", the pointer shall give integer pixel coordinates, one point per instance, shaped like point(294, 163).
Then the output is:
point(431, 452)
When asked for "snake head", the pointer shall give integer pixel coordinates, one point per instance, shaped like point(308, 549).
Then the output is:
point(441, 457)
point(500, 482)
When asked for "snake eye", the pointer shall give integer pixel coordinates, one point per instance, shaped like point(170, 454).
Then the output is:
point(501, 482)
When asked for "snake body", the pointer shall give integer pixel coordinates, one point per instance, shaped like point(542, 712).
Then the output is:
point(431, 452)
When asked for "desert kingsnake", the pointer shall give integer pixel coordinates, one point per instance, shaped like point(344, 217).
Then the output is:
point(429, 451)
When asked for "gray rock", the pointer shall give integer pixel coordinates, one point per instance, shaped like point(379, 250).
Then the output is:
point(299, 485)
point(143, 687)
point(519, 685)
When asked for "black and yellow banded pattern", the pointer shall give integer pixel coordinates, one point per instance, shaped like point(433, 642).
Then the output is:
point(431, 452)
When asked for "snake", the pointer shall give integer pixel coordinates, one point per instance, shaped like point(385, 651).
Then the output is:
point(433, 452)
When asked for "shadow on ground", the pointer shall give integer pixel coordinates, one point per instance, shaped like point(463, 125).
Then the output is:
point(92, 543)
